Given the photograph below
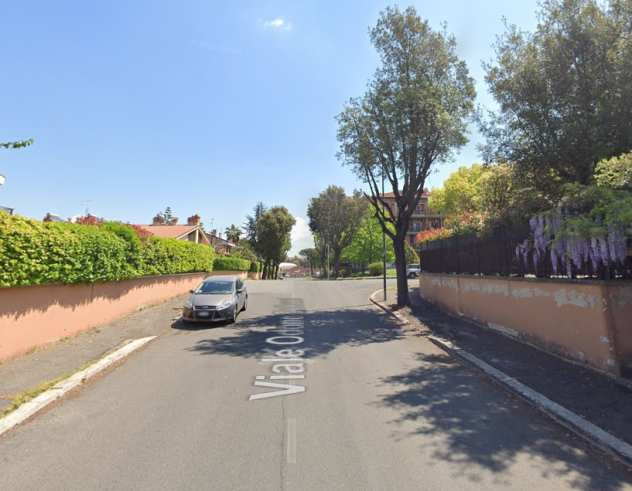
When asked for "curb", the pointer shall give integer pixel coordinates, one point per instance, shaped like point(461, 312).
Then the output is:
point(30, 408)
point(581, 427)
point(399, 317)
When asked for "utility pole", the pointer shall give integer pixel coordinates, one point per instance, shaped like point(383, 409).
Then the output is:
point(383, 240)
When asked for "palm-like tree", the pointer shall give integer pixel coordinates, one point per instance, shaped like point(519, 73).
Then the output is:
point(233, 233)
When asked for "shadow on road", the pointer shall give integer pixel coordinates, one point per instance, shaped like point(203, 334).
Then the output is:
point(473, 425)
point(324, 331)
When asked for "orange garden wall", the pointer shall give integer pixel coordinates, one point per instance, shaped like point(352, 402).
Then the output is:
point(587, 321)
point(36, 315)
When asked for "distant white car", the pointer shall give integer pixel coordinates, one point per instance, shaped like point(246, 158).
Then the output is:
point(413, 270)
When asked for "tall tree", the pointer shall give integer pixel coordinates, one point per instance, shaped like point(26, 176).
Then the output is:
point(273, 238)
point(413, 116)
point(250, 226)
point(233, 233)
point(165, 217)
point(564, 92)
point(335, 217)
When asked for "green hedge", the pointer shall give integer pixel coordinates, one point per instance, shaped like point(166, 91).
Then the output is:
point(35, 253)
point(376, 269)
point(231, 263)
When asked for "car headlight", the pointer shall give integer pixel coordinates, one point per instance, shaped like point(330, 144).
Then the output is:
point(188, 304)
point(224, 304)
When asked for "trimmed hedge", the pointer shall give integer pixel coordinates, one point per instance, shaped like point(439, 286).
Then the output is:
point(231, 263)
point(35, 253)
point(376, 269)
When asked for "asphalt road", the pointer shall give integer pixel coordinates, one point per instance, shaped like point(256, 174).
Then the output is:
point(382, 409)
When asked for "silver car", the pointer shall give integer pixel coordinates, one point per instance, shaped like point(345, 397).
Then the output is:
point(217, 298)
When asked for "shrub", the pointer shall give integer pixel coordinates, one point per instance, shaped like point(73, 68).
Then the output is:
point(615, 173)
point(171, 256)
point(231, 263)
point(376, 269)
point(34, 253)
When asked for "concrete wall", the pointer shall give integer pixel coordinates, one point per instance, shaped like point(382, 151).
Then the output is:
point(36, 315)
point(587, 321)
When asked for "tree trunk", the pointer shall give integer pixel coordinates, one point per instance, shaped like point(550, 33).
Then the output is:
point(337, 263)
point(400, 266)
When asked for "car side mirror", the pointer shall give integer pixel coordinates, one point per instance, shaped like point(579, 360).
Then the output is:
point(191, 291)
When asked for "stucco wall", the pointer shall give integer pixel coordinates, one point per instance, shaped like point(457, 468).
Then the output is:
point(37, 315)
point(241, 274)
point(586, 321)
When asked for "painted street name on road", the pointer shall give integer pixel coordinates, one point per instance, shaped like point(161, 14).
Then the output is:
point(287, 364)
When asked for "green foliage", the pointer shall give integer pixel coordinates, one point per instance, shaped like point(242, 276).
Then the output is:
point(245, 251)
point(411, 255)
point(594, 211)
point(615, 173)
point(273, 230)
point(231, 263)
point(367, 244)
point(171, 256)
point(233, 233)
point(564, 91)
point(461, 192)
point(255, 267)
point(34, 253)
point(376, 269)
point(17, 144)
point(334, 217)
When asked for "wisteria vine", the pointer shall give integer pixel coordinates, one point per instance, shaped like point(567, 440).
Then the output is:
point(550, 235)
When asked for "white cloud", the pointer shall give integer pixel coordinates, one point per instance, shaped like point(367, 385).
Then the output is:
point(301, 236)
point(277, 24)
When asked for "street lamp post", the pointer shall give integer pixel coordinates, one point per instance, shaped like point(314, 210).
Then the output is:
point(383, 240)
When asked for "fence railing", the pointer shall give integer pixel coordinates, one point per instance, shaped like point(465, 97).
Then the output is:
point(496, 255)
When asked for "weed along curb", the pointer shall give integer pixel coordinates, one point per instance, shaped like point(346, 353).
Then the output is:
point(32, 407)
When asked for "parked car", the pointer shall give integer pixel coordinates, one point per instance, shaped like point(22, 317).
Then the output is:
point(413, 270)
point(218, 298)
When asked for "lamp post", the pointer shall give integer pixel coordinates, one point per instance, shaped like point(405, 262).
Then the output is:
point(383, 240)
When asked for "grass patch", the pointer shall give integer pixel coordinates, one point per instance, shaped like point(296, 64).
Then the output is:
point(25, 396)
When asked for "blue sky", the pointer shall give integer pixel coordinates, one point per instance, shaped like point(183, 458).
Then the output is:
point(205, 106)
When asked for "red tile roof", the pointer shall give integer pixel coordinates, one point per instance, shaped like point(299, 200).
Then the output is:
point(169, 231)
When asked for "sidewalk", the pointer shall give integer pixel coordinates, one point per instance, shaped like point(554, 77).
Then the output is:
point(595, 397)
point(31, 372)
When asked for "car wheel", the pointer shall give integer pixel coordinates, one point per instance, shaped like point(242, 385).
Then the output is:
point(235, 313)
point(245, 304)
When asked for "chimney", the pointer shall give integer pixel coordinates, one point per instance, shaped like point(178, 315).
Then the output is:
point(193, 220)
point(158, 220)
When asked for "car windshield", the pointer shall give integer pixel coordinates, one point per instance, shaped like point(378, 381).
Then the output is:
point(216, 287)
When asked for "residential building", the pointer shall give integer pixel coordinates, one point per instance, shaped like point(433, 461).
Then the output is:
point(6, 210)
point(193, 231)
point(422, 218)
